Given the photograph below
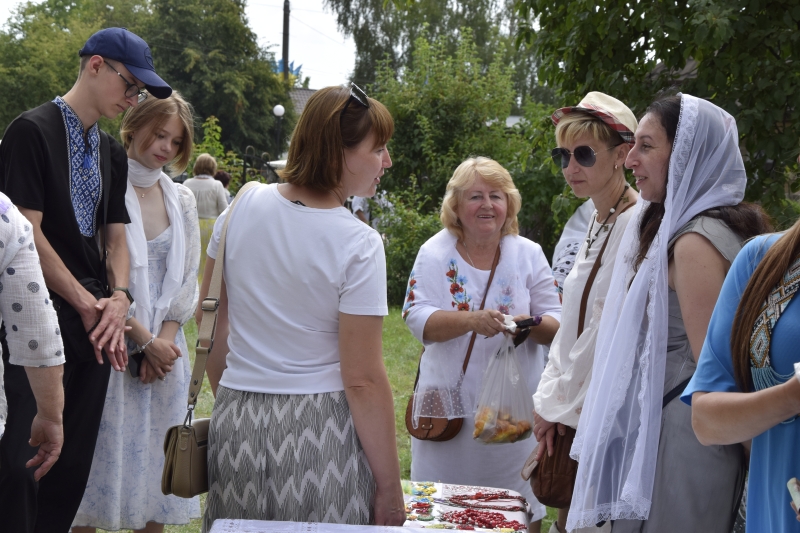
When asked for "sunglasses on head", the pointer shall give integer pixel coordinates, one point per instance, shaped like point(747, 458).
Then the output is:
point(357, 94)
point(584, 155)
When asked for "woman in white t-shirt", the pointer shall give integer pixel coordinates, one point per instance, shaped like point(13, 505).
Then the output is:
point(303, 424)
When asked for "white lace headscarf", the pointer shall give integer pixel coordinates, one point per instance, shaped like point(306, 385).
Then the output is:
point(617, 439)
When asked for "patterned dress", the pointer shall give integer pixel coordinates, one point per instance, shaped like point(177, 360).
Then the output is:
point(124, 488)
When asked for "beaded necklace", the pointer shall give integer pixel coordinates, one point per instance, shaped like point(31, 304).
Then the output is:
point(764, 374)
point(589, 238)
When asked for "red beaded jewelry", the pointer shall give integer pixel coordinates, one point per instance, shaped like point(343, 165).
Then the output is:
point(472, 501)
point(484, 519)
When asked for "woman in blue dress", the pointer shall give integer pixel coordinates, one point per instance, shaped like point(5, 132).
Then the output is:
point(747, 385)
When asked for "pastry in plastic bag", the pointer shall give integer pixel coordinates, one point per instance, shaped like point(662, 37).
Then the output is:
point(505, 405)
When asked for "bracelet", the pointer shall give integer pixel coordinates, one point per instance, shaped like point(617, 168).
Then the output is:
point(797, 371)
point(140, 349)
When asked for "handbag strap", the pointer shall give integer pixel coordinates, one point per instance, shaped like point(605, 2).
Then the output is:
point(474, 333)
point(210, 307)
point(593, 274)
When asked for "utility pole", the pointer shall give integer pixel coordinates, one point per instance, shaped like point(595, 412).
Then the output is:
point(285, 40)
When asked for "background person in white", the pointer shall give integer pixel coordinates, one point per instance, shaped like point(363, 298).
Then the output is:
point(361, 208)
point(209, 193)
point(305, 388)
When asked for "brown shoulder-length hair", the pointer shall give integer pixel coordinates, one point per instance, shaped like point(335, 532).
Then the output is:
point(745, 219)
point(150, 116)
point(316, 153)
point(766, 276)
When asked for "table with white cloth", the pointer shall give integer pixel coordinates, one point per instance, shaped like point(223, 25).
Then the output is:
point(441, 499)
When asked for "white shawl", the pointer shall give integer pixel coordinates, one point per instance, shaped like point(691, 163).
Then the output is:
point(618, 433)
point(151, 316)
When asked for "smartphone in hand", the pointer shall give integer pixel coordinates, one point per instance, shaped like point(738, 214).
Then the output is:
point(794, 489)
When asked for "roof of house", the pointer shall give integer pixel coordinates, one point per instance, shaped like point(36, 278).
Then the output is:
point(299, 98)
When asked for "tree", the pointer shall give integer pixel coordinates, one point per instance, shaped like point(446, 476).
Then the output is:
point(445, 108)
point(384, 30)
point(207, 51)
point(741, 55)
point(448, 107)
point(38, 60)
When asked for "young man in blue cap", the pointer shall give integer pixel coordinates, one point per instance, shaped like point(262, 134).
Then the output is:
point(69, 179)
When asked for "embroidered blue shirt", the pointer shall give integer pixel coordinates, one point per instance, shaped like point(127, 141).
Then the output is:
point(85, 185)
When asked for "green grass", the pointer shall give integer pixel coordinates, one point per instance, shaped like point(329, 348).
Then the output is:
point(400, 353)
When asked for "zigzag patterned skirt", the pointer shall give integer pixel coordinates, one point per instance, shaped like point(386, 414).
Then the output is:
point(286, 457)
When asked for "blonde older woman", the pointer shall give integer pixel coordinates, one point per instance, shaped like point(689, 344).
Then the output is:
point(442, 310)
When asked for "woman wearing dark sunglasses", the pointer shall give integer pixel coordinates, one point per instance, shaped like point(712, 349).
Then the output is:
point(593, 139)
point(639, 462)
point(303, 424)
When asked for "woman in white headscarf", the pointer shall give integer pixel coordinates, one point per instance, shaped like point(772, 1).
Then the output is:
point(640, 463)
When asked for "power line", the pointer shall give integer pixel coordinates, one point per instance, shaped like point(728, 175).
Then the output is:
point(316, 30)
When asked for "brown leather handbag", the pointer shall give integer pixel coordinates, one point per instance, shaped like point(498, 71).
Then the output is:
point(553, 479)
point(442, 429)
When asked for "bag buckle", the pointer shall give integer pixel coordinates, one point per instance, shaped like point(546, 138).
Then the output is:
point(210, 304)
point(188, 420)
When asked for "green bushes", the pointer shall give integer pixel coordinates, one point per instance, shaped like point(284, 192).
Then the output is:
point(406, 226)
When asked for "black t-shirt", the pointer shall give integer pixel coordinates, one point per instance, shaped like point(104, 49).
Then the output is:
point(34, 174)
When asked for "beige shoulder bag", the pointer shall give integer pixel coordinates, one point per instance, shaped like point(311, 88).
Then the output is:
point(186, 445)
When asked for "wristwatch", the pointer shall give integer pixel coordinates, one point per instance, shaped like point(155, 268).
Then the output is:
point(126, 291)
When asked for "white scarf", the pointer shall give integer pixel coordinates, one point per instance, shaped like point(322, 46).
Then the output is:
point(151, 316)
point(617, 439)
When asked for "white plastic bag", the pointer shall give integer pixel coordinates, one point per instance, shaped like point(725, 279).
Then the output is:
point(505, 405)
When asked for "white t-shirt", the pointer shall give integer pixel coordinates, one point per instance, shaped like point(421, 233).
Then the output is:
point(289, 271)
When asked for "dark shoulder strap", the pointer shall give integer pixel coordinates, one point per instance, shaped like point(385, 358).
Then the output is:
point(474, 333)
point(483, 302)
point(105, 172)
point(593, 274)
point(675, 392)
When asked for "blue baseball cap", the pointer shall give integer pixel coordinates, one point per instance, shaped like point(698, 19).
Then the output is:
point(129, 49)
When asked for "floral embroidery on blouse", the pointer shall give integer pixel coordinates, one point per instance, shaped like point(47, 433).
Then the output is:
point(504, 301)
point(461, 300)
point(409, 303)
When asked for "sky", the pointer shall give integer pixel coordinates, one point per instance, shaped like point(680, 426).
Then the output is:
point(315, 43)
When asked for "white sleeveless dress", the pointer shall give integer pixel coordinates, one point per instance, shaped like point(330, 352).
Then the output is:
point(124, 488)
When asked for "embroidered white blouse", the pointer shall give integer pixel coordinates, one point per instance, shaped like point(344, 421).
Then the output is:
point(31, 322)
point(442, 280)
point(562, 389)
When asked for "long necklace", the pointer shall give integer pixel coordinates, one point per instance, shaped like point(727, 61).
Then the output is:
point(464, 244)
point(591, 238)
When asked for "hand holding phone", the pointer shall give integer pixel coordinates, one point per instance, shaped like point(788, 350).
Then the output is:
point(794, 489)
